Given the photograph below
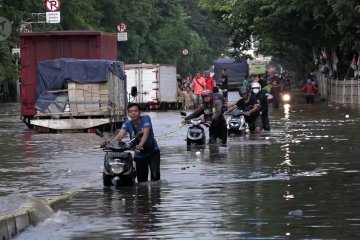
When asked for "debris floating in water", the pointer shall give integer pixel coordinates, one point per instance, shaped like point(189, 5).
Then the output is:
point(296, 213)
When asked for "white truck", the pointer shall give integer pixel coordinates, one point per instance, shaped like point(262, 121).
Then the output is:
point(156, 86)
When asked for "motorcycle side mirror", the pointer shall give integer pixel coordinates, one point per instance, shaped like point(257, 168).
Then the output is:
point(99, 133)
point(134, 91)
point(183, 114)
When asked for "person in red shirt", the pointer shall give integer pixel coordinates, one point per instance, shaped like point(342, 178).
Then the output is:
point(209, 81)
point(309, 90)
point(197, 86)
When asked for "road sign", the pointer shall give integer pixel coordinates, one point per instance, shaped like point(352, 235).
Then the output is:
point(122, 36)
point(53, 17)
point(121, 27)
point(52, 5)
point(185, 52)
point(15, 51)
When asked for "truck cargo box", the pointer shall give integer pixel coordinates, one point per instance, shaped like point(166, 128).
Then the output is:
point(74, 94)
point(235, 70)
point(40, 46)
point(156, 85)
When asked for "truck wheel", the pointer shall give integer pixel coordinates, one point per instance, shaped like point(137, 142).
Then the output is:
point(107, 180)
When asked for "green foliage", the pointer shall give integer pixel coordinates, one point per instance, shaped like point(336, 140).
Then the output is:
point(158, 30)
point(289, 30)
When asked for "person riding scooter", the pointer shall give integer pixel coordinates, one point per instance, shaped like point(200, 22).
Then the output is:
point(250, 105)
point(213, 115)
point(262, 97)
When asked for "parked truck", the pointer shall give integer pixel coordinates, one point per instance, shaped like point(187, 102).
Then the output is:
point(156, 85)
point(236, 71)
point(38, 47)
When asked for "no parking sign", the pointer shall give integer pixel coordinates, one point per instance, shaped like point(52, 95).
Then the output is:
point(52, 5)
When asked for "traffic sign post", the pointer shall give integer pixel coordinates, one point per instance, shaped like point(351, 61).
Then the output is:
point(52, 14)
point(185, 52)
point(52, 5)
point(122, 27)
point(122, 36)
point(53, 17)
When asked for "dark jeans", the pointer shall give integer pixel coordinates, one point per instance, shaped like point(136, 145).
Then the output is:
point(309, 99)
point(218, 130)
point(275, 103)
point(143, 165)
point(265, 120)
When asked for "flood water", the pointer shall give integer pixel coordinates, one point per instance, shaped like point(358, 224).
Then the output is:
point(301, 180)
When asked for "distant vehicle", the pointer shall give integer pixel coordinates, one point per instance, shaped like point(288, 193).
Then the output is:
point(79, 95)
point(235, 70)
point(156, 85)
point(41, 46)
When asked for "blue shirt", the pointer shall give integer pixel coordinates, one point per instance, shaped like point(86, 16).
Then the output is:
point(150, 145)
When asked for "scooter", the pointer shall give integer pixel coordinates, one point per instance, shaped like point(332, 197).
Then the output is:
point(236, 123)
point(196, 132)
point(119, 165)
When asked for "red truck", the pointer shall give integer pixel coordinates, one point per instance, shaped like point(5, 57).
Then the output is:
point(40, 46)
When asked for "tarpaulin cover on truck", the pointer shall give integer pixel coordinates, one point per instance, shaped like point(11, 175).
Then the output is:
point(53, 74)
point(235, 70)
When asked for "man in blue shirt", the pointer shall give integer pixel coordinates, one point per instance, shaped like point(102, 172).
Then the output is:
point(148, 154)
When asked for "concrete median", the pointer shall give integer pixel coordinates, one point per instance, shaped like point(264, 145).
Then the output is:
point(31, 213)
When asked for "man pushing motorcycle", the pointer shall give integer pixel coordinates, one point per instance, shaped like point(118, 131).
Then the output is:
point(213, 116)
point(250, 105)
point(148, 154)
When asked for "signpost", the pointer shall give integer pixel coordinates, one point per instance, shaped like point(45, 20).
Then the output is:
point(52, 14)
point(122, 32)
point(185, 52)
point(52, 5)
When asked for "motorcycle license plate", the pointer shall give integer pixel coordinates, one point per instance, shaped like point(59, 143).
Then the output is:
point(196, 131)
point(117, 154)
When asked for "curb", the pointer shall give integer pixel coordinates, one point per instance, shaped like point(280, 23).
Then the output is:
point(14, 223)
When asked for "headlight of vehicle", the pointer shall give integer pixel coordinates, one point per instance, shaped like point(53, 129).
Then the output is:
point(195, 121)
point(286, 97)
point(117, 167)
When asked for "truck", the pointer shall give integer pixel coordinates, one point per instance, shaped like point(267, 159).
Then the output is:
point(155, 84)
point(235, 70)
point(36, 47)
point(79, 95)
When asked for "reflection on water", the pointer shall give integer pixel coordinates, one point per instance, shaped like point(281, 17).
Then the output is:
point(286, 183)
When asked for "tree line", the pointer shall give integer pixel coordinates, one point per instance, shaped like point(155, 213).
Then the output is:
point(298, 34)
point(158, 30)
point(291, 31)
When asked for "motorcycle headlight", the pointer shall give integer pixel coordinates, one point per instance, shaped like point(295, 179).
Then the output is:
point(117, 167)
point(286, 97)
point(195, 121)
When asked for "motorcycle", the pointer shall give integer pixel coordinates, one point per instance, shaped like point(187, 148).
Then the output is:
point(196, 132)
point(236, 123)
point(119, 165)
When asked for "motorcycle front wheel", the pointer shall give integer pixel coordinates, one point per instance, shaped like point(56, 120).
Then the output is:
point(107, 180)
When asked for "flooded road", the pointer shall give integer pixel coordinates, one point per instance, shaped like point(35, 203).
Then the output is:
point(301, 180)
